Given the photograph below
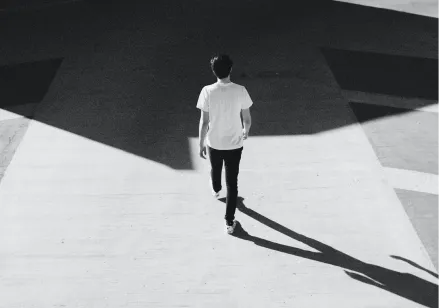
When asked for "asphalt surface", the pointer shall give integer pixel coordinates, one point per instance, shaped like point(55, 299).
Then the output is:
point(104, 202)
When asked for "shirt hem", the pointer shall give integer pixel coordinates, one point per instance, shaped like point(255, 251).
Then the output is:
point(225, 149)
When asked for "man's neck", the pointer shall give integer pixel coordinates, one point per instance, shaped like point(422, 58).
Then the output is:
point(224, 80)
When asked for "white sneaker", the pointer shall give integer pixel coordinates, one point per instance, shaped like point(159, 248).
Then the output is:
point(214, 193)
point(230, 229)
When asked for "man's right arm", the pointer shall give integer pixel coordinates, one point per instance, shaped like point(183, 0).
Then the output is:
point(247, 120)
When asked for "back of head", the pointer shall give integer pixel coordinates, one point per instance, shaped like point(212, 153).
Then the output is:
point(221, 66)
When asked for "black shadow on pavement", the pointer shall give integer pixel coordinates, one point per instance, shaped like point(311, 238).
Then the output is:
point(394, 75)
point(133, 70)
point(24, 85)
point(405, 285)
point(416, 265)
point(369, 112)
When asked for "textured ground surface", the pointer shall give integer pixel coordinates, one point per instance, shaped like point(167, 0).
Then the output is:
point(104, 202)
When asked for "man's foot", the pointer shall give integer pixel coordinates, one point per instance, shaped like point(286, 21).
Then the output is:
point(230, 226)
point(214, 193)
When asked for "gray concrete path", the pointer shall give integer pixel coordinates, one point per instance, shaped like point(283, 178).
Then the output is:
point(105, 203)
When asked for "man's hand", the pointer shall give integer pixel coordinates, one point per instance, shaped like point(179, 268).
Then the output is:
point(203, 152)
point(244, 134)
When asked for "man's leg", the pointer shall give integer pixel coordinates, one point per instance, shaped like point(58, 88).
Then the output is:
point(232, 159)
point(216, 163)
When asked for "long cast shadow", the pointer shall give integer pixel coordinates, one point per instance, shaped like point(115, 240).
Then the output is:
point(405, 285)
point(416, 265)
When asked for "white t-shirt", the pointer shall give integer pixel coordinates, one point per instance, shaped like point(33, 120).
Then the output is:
point(224, 102)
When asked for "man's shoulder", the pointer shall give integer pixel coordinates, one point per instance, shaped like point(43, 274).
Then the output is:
point(215, 86)
point(239, 88)
point(238, 85)
point(209, 86)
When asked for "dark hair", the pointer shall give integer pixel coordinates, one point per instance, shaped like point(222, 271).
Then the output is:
point(221, 66)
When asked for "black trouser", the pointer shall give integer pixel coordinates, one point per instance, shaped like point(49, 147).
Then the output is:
point(231, 160)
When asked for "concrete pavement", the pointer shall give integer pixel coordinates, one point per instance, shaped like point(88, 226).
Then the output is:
point(104, 202)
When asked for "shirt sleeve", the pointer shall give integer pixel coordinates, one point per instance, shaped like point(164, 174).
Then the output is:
point(246, 101)
point(203, 102)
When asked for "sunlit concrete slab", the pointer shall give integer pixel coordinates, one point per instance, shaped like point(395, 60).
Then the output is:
point(7, 115)
point(422, 208)
point(419, 7)
point(100, 226)
point(12, 131)
point(412, 180)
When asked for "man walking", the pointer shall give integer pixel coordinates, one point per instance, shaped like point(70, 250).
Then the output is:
point(221, 105)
